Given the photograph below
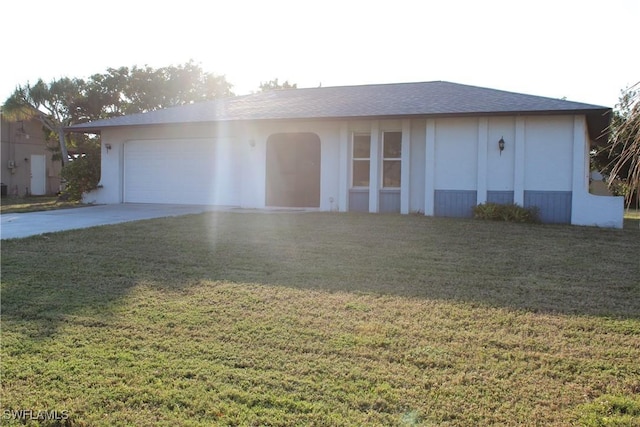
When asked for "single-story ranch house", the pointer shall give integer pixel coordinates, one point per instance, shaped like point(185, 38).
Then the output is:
point(436, 148)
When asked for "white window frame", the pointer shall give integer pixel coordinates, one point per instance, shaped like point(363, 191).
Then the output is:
point(383, 159)
point(361, 159)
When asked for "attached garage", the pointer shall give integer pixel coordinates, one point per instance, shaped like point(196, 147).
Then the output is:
point(190, 171)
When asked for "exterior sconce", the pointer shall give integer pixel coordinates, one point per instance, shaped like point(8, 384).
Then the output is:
point(107, 146)
point(501, 145)
point(252, 143)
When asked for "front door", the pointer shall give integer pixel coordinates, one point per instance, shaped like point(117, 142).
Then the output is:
point(293, 170)
point(38, 174)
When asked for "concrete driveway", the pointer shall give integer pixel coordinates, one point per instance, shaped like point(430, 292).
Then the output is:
point(29, 224)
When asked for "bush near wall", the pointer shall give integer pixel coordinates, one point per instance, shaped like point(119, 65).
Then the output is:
point(506, 212)
point(81, 176)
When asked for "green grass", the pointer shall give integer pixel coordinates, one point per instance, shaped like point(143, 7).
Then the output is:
point(323, 319)
point(611, 411)
point(34, 204)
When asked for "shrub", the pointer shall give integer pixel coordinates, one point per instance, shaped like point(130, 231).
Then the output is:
point(506, 212)
point(81, 175)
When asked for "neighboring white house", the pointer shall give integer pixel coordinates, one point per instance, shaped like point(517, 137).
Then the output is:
point(437, 148)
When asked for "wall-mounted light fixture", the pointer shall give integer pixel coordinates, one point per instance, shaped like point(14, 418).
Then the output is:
point(501, 145)
point(252, 143)
point(107, 146)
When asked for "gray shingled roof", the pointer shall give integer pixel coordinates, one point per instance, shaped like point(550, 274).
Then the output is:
point(368, 101)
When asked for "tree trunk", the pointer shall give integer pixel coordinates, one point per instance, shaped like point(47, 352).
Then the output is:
point(63, 146)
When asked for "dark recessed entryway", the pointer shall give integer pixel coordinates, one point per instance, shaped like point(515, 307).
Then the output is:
point(293, 170)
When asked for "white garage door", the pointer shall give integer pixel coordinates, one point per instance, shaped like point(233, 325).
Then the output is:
point(192, 171)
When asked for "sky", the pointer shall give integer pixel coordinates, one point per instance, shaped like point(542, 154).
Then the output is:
point(582, 50)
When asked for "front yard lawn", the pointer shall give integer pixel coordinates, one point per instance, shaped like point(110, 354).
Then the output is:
point(322, 319)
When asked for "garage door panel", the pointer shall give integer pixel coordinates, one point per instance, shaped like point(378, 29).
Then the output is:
point(179, 171)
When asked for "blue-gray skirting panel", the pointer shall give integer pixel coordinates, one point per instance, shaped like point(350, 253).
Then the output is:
point(554, 206)
point(455, 203)
point(358, 200)
point(501, 197)
point(389, 201)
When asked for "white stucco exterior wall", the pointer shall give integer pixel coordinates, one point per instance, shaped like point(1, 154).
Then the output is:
point(374, 167)
point(586, 208)
point(548, 153)
point(109, 189)
point(417, 166)
point(343, 168)
point(405, 190)
point(483, 148)
point(519, 162)
point(429, 167)
point(252, 167)
point(542, 153)
point(456, 154)
point(500, 166)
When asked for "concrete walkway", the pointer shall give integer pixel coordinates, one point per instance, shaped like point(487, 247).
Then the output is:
point(30, 224)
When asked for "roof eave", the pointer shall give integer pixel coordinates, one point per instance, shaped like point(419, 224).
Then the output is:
point(597, 120)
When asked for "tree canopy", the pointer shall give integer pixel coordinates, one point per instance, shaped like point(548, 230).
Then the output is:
point(620, 159)
point(118, 91)
point(124, 90)
point(275, 85)
point(53, 104)
point(626, 139)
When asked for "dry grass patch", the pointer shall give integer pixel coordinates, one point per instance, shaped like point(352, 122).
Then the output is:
point(34, 204)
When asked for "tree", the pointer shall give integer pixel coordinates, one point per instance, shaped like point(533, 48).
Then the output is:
point(274, 85)
point(124, 90)
point(138, 90)
point(116, 92)
point(53, 104)
point(620, 159)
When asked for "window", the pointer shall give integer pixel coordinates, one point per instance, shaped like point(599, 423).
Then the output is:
point(361, 160)
point(391, 161)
